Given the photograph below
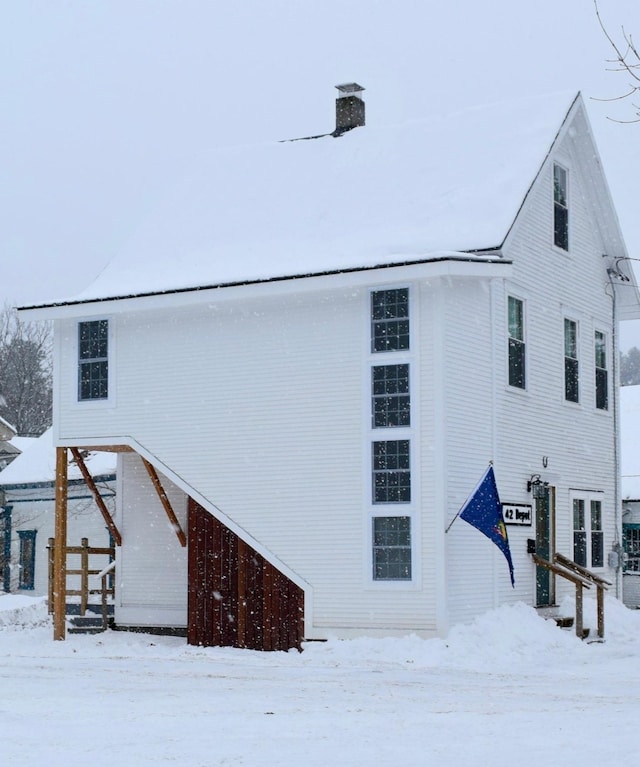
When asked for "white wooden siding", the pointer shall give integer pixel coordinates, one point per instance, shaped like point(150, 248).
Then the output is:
point(151, 568)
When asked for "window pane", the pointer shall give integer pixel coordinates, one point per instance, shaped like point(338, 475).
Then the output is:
point(391, 548)
point(516, 364)
point(516, 319)
point(571, 380)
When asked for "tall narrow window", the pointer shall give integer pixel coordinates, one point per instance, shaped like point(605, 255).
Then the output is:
point(391, 472)
point(597, 535)
point(390, 395)
point(571, 369)
point(516, 343)
point(391, 548)
point(579, 533)
point(27, 560)
point(602, 376)
point(560, 208)
point(93, 364)
point(390, 320)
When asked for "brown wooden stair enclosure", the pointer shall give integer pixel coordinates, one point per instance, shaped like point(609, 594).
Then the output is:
point(583, 579)
point(236, 597)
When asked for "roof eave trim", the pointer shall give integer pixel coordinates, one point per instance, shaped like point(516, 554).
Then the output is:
point(482, 255)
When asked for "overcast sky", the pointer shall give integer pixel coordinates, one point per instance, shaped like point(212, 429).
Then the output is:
point(106, 103)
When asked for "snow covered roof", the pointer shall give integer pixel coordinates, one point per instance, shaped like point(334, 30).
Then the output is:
point(7, 431)
point(38, 464)
point(630, 441)
point(374, 196)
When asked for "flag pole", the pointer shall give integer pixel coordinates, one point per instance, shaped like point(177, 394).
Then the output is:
point(465, 503)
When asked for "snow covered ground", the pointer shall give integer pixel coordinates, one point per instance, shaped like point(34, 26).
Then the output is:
point(510, 689)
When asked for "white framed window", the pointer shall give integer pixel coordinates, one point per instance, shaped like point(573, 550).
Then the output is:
point(601, 371)
point(560, 207)
point(390, 320)
point(390, 397)
point(94, 350)
point(571, 363)
point(516, 343)
point(392, 560)
point(588, 530)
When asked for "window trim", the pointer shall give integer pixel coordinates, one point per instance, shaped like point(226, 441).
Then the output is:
point(588, 498)
point(558, 205)
point(605, 337)
point(371, 433)
point(109, 400)
point(514, 386)
point(569, 360)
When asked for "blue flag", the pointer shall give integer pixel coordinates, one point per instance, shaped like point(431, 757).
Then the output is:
point(482, 510)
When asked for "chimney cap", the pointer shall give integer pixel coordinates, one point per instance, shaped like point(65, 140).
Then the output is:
point(350, 89)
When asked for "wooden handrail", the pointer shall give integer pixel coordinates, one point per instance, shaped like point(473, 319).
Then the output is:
point(583, 579)
point(576, 568)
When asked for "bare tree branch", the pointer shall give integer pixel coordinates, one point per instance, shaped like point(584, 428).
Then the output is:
point(626, 60)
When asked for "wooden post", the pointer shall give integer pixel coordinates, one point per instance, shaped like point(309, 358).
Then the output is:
point(50, 569)
point(60, 550)
point(600, 600)
point(84, 575)
point(579, 621)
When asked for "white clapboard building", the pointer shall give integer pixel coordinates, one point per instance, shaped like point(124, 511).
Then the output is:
point(309, 357)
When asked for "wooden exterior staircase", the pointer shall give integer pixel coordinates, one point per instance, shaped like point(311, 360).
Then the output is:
point(582, 579)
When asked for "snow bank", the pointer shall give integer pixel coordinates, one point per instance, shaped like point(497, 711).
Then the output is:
point(21, 612)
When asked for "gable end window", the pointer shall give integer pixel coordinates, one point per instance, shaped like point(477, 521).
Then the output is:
point(560, 207)
point(517, 375)
point(602, 376)
point(571, 367)
point(93, 362)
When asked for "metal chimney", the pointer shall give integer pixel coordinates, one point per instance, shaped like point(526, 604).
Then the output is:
point(349, 108)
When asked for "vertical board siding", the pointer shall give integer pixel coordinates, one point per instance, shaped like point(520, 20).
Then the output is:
point(236, 598)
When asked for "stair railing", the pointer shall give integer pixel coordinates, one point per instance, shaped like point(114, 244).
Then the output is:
point(582, 579)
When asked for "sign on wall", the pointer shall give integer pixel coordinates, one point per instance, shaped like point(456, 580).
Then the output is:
point(517, 513)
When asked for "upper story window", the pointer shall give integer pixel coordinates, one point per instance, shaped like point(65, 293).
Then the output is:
point(602, 375)
point(390, 320)
point(390, 396)
point(560, 207)
point(571, 365)
point(93, 363)
point(517, 376)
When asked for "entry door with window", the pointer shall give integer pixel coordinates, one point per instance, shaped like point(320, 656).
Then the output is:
point(544, 545)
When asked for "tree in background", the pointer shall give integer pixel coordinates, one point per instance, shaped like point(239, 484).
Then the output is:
point(626, 59)
point(25, 374)
point(630, 367)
